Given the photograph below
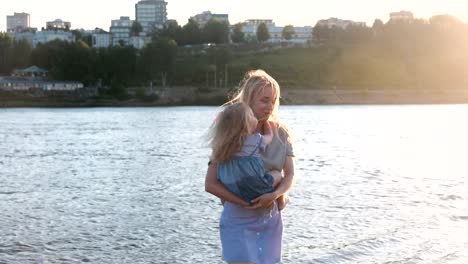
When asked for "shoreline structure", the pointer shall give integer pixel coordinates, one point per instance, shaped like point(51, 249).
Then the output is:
point(184, 96)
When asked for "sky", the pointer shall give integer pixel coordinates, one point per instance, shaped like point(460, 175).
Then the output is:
point(89, 14)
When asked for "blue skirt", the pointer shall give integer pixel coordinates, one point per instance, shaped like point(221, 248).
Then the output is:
point(251, 235)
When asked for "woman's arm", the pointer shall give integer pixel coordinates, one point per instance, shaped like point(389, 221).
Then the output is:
point(215, 187)
point(265, 200)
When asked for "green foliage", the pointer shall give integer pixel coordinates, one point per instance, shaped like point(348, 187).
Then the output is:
point(136, 28)
point(157, 59)
point(262, 33)
point(395, 55)
point(191, 33)
point(237, 33)
point(5, 53)
point(21, 54)
point(216, 32)
point(288, 32)
point(173, 31)
point(445, 20)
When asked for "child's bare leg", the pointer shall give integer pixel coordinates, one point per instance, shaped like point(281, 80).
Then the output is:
point(283, 199)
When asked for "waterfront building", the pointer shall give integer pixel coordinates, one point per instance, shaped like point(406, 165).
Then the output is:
point(35, 78)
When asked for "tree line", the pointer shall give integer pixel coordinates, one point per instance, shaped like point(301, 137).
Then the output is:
point(419, 53)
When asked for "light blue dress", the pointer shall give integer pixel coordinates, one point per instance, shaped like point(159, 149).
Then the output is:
point(244, 174)
point(256, 235)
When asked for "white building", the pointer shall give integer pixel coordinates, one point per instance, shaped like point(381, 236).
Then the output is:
point(203, 18)
point(139, 41)
point(302, 34)
point(18, 22)
point(336, 22)
point(250, 28)
point(25, 84)
point(101, 39)
point(121, 30)
point(401, 16)
point(50, 35)
point(26, 35)
point(151, 14)
point(58, 24)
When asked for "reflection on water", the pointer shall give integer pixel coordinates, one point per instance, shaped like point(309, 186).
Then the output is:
point(376, 184)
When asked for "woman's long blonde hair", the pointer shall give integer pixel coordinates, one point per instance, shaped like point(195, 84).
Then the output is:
point(254, 82)
point(229, 130)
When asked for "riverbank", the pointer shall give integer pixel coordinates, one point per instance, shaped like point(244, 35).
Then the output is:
point(181, 96)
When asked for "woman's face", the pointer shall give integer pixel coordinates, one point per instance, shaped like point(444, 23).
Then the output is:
point(262, 103)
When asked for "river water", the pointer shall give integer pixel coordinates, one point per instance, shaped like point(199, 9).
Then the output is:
point(375, 184)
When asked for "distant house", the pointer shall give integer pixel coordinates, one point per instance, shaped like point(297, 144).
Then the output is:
point(25, 84)
point(32, 71)
point(35, 78)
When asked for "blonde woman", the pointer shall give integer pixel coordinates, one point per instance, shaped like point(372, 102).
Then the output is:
point(253, 233)
point(236, 149)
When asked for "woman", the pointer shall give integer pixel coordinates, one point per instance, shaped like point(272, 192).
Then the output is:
point(253, 233)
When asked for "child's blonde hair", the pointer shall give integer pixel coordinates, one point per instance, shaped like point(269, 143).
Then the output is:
point(229, 130)
point(256, 81)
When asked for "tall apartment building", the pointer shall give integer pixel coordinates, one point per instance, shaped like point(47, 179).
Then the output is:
point(121, 30)
point(151, 14)
point(18, 22)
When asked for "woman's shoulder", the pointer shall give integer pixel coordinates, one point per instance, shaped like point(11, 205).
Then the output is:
point(283, 129)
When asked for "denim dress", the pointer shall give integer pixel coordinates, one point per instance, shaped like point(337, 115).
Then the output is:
point(244, 174)
point(256, 235)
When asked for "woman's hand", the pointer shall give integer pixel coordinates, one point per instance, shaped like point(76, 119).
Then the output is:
point(264, 201)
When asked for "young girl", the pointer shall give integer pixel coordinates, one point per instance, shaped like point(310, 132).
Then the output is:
point(236, 149)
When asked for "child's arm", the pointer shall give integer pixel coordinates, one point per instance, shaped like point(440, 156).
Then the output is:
point(277, 177)
point(267, 137)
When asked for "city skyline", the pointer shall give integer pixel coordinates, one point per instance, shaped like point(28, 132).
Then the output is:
point(89, 14)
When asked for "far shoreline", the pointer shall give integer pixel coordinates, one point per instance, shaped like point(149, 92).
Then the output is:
point(189, 97)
